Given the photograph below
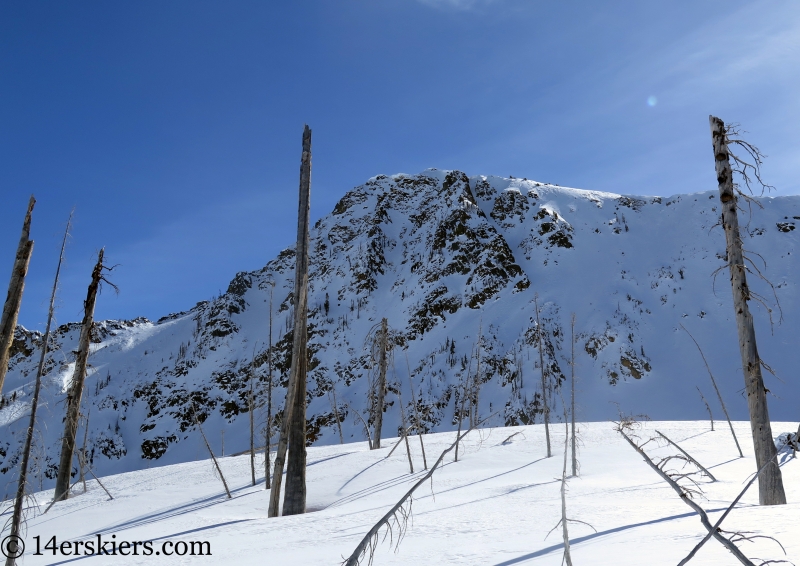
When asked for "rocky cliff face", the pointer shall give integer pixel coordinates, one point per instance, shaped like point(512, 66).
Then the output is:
point(457, 265)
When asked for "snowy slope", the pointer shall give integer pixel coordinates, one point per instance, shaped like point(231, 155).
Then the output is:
point(494, 506)
point(444, 257)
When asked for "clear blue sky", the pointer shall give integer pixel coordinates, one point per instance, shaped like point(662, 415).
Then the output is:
point(174, 128)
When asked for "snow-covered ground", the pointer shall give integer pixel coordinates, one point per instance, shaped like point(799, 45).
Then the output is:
point(494, 506)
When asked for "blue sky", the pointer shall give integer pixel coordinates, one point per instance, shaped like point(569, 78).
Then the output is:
point(174, 128)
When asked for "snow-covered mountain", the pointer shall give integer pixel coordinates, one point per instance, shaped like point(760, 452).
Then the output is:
point(455, 264)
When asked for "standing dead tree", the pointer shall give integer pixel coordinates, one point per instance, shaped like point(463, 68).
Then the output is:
point(16, 520)
point(719, 395)
point(378, 343)
point(460, 411)
point(475, 395)
point(398, 515)
point(572, 411)
point(564, 521)
point(417, 420)
point(770, 483)
point(211, 453)
point(545, 406)
point(76, 388)
point(335, 407)
point(404, 434)
point(251, 406)
point(708, 407)
point(268, 433)
point(16, 286)
point(293, 425)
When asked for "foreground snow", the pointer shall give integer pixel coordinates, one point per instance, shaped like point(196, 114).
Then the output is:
point(495, 506)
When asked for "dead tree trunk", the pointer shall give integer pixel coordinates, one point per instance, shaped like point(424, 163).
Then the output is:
point(252, 408)
point(564, 520)
point(8, 322)
point(335, 406)
point(405, 429)
point(572, 410)
point(267, 442)
point(381, 385)
point(16, 519)
point(293, 425)
point(76, 389)
point(476, 394)
point(719, 395)
point(545, 407)
point(770, 483)
point(418, 423)
point(211, 453)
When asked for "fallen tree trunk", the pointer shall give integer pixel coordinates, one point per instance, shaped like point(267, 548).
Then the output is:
point(369, 541)
point(686, 499)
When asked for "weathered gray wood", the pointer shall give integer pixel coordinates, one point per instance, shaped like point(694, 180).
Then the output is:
point(364, 546)
point(716, 526)
point(76, 388)
point(16, 286)
point(251, 407)
point(476, 384)
point(418, 424)
point(546, 407)
point(685, 453)
point(380, 396)
point(293, 429)
point(572, 410)
point(770, 482)
point(564, 520)
point(719, 395)
point(268, 440)
point(688, 500)
point(211, 452)
point(335, 407)
point(16, 519)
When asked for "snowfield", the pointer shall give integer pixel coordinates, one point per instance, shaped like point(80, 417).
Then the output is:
point(495, 506)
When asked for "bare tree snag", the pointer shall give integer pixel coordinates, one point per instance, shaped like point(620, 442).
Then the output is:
point(334, 405)
point(545, 407)
point(363, 422)
point(211, 452)
point(366, 548)
point(716, 527)
point(16, 286)
point(251, 405)
point(476, 384)
point(16, 519)
point(418, 421)
point(685, 497)
point(719, 395)
point(708, 407)
point(268, 443)
point(463, 398)
point(572, 410)
point(293, 425)
point(404, 435)
point(564, 530)
point(685, 453)
point(76, 388)
point(381, 385)
point(770, 482)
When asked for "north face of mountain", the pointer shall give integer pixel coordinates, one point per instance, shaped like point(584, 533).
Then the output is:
point(456, 264)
